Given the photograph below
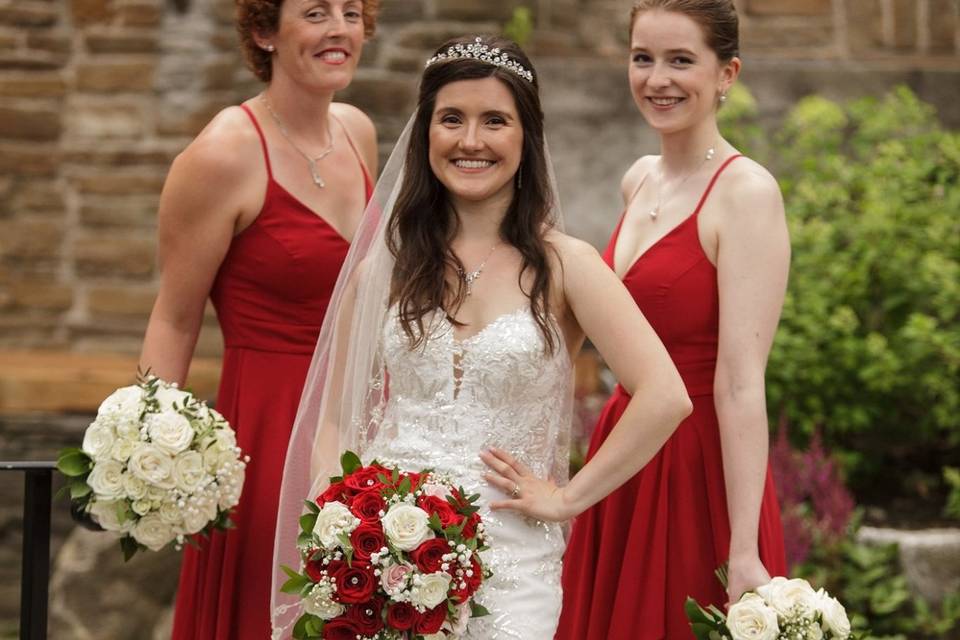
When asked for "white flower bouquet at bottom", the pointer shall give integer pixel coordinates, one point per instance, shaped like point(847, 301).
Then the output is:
point(783, 609)
point(156, 466)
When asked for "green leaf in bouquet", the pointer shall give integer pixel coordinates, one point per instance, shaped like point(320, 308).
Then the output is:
point(307, 627)
point(307, 522)
point(404, 487)
point(347, 547)
point(350, 462)
point(477, 610)
point(295, 583)
point(696, 613)
point(435, 523)
point(79, 490)
point(129, 546)
point(722, 574)
point(395, 476)
point(74, 462)
point(312, 506)
point(304, 539)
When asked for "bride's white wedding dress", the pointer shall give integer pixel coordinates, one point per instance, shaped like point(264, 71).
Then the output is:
point(450, 399)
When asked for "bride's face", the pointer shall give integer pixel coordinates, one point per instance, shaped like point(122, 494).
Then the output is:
point(476, 139)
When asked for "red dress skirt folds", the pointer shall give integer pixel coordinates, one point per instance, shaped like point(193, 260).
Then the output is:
point(271, 294)
point(634, 557)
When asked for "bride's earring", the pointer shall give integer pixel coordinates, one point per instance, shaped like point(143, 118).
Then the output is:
point(520, 177)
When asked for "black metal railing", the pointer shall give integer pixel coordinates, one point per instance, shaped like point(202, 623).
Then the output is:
point(35, 573)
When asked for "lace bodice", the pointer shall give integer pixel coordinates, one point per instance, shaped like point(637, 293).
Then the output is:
point(449, 399)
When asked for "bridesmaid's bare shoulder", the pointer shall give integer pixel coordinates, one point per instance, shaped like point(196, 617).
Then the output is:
point(635, 175)
point(362, 131)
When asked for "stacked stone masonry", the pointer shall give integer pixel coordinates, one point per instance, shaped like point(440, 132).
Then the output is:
point(98, 96)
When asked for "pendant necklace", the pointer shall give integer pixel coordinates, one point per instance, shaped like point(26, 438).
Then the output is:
point(469, 277)
point(311, 162)
point(653, 213)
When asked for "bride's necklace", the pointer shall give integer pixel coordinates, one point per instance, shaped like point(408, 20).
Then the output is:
point(311, 162)
point(469, 277)
point(661, 200)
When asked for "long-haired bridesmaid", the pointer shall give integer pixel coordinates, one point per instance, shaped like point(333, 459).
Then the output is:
point(256, 214)
point(703, 248)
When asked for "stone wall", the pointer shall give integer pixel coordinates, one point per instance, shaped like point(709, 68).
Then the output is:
point(97, 96)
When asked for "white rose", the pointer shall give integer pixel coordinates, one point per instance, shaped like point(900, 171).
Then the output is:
point(407, 526)
point(156, 494)
point(188, 472)
point(814, 632)
point(168, 395)
point(98, 440)
point(226, 439)
point(128, 429)
point(141, 507)
point(107, 514)
point(430, 590)
point(321, 603)
point(133, 487)
point(152, 532)
point(752, 619)
point(170, 513)
point(788, 596)
point(152, 465)
point(435, 490)
point(230, 488)
point(833, 615)
point(106, 479)
point(170, 431)
point(123, 448)
point(194, 519)
point(124, 402)
point(334, 518)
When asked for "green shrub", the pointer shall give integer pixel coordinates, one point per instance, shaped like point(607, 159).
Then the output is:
point(868, 580)
point(868, 347)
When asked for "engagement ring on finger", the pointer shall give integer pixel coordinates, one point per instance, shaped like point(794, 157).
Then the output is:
point(516, 491)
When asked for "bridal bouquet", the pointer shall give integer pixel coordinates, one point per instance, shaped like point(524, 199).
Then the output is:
point(780, 610)
point(390, 555)
point(156, 465)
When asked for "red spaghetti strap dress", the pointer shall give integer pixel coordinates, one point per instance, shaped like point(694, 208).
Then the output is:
point(270, 294)
point(634, 557)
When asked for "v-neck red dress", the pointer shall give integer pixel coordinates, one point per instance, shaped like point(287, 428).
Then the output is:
point(634, 557)
point(271, 294)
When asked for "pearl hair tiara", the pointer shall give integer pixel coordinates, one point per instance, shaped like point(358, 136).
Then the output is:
point(479, 51)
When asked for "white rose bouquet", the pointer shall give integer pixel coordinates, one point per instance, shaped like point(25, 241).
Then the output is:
point(156, 466)
point(388, 555)
point(783, 609)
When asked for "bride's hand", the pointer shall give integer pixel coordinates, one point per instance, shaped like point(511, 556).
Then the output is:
point(529, 495)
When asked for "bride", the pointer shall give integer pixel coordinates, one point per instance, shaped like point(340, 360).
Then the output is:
point(456, 318)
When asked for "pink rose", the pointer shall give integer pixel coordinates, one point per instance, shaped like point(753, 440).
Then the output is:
point(435, 490)
point(394, 577)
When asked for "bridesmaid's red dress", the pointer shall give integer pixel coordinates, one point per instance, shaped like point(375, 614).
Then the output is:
point(634, 557)
point(270, 294)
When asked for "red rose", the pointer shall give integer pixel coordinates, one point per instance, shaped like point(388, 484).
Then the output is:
point(333, 493)
point(368, 504)
point(315, 566)
point(340, 628)
point(402, 616)
point(470, 528)
point(366, 539)
point(431, 621)
point(365, 478)
point(439, 506)
point(355, 584)
point(471, 583)
point(366, 617)
point(429, 555)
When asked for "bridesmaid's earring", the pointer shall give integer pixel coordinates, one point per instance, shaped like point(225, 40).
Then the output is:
point(268, 48)
point(723, 98)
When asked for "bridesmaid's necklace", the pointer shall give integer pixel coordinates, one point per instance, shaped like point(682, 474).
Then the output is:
point(653, 213)
point(469, 277)
point(311, 162)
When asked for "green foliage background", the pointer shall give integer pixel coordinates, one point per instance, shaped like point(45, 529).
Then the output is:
point(868, 347)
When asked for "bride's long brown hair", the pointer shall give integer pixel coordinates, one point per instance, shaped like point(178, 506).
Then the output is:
point(423, 221)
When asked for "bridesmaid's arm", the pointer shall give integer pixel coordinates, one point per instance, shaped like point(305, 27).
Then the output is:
point(753, 259)
point(199, 208)
point(601, 307)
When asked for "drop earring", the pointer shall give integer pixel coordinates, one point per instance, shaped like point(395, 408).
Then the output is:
point(520, 177)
